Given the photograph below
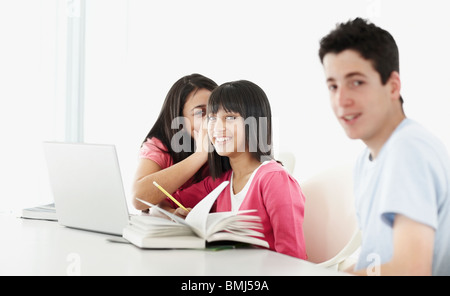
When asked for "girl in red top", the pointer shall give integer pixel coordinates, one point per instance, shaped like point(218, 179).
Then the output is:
point(240, 129)
point(168, 154)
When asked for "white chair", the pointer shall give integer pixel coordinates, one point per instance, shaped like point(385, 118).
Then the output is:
point(330, 227)
point(288, 160)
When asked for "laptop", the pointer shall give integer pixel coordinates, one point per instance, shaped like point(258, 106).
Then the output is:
point(87, 186)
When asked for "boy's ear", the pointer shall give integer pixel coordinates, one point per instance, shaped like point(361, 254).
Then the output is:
point(395, 85)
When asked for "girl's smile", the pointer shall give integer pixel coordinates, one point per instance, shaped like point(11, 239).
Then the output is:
point(226, 132)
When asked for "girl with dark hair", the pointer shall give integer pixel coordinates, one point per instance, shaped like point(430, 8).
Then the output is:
point(169, 154)
point(240, 129)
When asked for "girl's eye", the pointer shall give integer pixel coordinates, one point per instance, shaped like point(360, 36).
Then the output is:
point(230, 118)
point(212, 118)
point(199, 112)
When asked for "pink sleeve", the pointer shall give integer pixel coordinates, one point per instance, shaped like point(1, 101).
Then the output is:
point(155, 150)
point(286, 213)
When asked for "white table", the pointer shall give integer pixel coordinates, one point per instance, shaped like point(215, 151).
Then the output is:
point(33, 247)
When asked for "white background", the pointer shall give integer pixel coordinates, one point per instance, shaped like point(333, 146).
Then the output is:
point(135, 51)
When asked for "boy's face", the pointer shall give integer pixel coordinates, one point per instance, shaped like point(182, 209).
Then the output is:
point(361, 103)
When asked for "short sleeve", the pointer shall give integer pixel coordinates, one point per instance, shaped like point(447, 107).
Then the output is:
point(410, 183)
point(154, 149)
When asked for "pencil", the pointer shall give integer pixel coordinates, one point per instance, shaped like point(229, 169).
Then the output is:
point(170, 196)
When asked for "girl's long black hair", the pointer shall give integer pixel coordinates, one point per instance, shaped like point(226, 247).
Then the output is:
point(173, 108)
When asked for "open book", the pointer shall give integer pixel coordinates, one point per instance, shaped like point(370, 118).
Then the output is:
point(199, 228)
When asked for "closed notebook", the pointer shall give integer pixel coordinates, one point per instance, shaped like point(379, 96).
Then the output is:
point(45, 212)
point(199, 228)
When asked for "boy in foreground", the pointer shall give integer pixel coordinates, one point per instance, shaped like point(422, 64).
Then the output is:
point(402, 178)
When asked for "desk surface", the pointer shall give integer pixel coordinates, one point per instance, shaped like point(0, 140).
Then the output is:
point(33, 247)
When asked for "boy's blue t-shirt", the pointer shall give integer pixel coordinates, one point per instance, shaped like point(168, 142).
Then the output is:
point(410, 176)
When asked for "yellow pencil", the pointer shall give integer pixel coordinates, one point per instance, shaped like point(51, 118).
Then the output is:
point(170, 196)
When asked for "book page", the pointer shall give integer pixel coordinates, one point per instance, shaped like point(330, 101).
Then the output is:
point(175, 218)
point(228, 236)
point(157, 226)
point(227, 220)
point(198, 216)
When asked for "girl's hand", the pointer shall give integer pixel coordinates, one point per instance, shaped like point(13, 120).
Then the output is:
point(182, 213)
point(166, 206)
point(201, 139)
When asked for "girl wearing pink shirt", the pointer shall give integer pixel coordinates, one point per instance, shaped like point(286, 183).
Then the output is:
point(239, 127)
point(168, 154)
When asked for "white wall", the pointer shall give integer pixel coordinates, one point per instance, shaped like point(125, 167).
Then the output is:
point(136, 49)
point(31, 105)
point(141, 47)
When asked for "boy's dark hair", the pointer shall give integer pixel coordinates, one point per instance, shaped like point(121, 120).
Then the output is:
point(372, 42)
